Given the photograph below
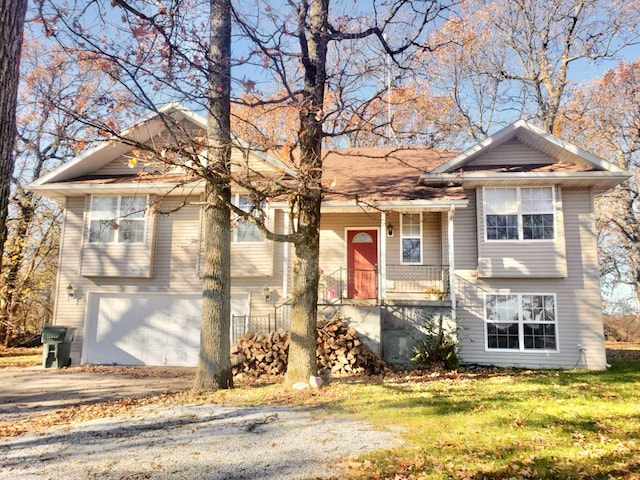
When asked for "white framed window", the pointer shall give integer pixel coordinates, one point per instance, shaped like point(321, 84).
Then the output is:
point(522, 213)
point(244, 231)
point(520, 322)
point(411, 238)
point(117, 219)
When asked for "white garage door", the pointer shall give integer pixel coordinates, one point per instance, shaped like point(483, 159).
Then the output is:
point(142, 329)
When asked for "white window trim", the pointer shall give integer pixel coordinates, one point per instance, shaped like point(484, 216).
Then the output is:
point(402, 237)
point(118, 218)
point(521, 323)
point(235, 199)
point(519, 213)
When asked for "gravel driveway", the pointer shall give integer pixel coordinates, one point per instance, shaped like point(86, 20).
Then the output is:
point(193, 442)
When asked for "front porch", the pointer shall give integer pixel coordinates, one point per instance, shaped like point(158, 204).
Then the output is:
point(416, 284)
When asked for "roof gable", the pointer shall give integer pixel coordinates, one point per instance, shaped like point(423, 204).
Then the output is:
point(108, 163)
point(97, 157)
point(565, 154)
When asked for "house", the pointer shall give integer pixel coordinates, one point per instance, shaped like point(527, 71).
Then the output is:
point(501, 238)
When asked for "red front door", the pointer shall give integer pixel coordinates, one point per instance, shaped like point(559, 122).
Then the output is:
point(362, 259)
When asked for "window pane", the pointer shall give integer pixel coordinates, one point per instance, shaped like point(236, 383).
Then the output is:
point(411, 225)
point(104, 208)
point(117, 219)
point(101, 231)
point(501, 200)
point(503, 335)
point(539, 336)
point(537, 199)
point(501, 308)
point(503, 321)
point(132, 207)
point(502, 227)
point(247, 232)
point(537, 227)
point(411, 250)
point(131, 231)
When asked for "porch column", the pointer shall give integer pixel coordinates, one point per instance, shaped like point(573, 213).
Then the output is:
point(382, 266)
point(452, 264)
point(285, 259)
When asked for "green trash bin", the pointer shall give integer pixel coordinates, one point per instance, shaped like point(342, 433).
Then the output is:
point(56, 346)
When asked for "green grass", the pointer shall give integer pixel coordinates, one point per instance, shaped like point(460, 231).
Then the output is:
point(550, 424)
point(554, 425)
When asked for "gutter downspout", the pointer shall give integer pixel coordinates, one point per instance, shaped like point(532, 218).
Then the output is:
point(285, 259)
point(382, 267)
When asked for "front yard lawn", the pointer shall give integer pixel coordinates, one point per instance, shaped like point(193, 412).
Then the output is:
point(485, 424)
point(552, 425)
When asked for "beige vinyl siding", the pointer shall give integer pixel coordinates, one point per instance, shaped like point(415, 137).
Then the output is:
point(120, 166)
point(465, 241)
point(432, 239)
point(118, 259)
point(70, 312)
point(252, 259)
point(241, 161)
point(578, 308)
point(514, 153)
point(393, 243)
point(522, 258)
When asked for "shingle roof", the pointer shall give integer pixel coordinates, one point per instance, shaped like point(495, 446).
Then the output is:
point(384, 173)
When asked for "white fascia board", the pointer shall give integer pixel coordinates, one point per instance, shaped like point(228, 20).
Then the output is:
point(60, 191)
point(84, 163)
point(352, 206)
point(595, 178)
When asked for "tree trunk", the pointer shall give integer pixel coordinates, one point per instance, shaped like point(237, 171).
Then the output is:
point(304, 306)
point(313, 37)
point(12, 15)
point(214, 365)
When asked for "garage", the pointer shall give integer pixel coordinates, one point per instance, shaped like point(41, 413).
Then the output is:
point(142, 329)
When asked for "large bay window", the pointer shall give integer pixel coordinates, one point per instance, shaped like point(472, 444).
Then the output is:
point(117, 219)
point(521, 321)
point(411, 243)
point(519, 213)
point(244, 231)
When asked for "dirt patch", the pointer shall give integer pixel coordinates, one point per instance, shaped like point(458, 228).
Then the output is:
point(623, 352)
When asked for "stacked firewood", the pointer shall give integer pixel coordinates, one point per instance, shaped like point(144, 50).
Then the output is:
point(259, 354)
point(338, 348)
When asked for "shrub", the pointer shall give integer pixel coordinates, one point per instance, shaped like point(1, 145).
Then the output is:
point(437, 345)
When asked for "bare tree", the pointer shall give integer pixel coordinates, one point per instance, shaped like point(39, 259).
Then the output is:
point(604, 116)
point(506, 60)
point(44, 139)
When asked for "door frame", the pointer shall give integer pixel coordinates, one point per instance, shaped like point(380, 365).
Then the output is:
point(346, 252)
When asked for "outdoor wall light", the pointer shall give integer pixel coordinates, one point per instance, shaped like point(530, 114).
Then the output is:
point(70, 292)
point(267, 293)
point(390, 230)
